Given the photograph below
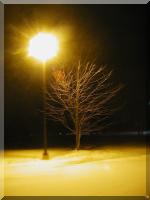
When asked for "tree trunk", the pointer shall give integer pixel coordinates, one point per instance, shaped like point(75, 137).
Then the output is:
point(78, 135)
point(77, 126)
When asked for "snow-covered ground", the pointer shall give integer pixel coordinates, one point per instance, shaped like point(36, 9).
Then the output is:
point(104, 171)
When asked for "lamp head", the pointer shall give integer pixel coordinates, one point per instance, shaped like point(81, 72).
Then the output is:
point(43, 46)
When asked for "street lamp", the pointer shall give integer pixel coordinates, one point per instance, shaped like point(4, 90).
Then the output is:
point(43, 47)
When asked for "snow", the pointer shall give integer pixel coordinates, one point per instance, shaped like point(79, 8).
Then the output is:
point(107, 171)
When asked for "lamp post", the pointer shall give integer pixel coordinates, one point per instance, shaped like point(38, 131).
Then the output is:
point(43, 46)
point(45, 153)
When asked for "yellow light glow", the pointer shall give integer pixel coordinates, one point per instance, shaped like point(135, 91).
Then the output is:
point(43, 46)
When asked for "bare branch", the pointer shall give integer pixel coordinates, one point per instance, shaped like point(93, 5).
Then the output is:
point(80, 98)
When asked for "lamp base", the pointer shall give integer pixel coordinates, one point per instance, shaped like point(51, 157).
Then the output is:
point(45, 156)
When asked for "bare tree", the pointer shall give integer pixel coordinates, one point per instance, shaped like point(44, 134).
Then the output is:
point(80, 98)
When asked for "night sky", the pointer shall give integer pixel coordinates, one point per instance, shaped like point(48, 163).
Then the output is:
point(115, 35)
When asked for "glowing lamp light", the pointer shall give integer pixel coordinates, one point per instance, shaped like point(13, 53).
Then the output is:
point(43, 46)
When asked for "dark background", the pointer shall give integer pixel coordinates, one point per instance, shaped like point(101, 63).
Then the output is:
point(115, 35)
